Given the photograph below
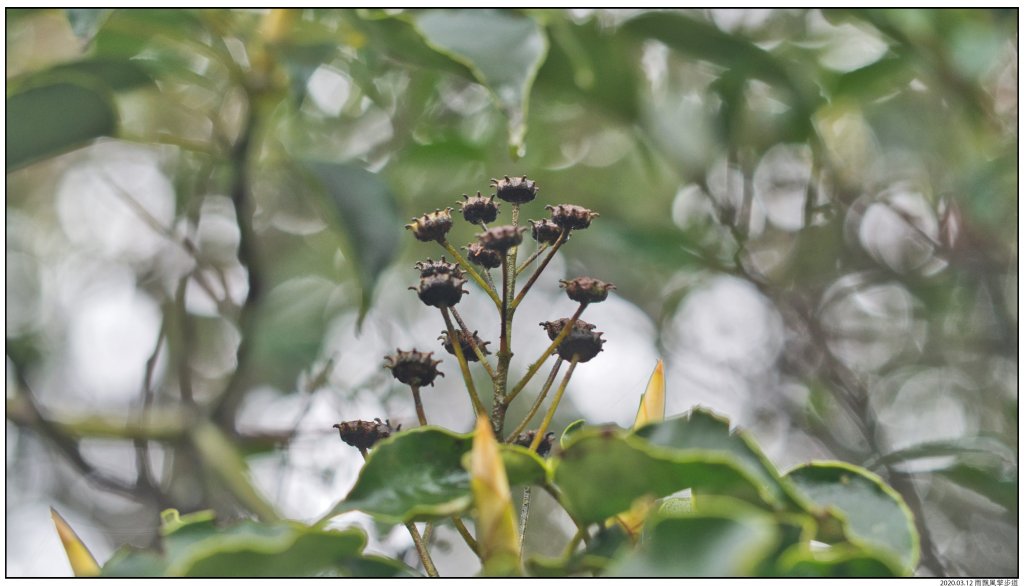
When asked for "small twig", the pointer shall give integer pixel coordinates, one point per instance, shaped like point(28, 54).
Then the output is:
point(574, 542)
point(544, 356)
point(466, 535)
point(547, 259)
point(420, 414)
point(554, 404)
point(537, 402)
point(142, 462)
point(463, 365)
point(466, 266)
point(531, 258)
point(472, 342)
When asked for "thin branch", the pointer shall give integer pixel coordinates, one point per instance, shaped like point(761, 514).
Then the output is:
point(531, 258)
point(466, 535)
point(536, 403)
point(472, 342)
point(544, 356)
point(547, 259)
point(466, 266)
point(554, 404)
point(463, 365)
point(420, 414)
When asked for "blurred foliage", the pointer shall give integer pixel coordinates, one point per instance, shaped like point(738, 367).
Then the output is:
point(856, 167)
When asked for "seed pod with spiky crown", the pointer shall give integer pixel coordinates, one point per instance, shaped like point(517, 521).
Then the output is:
point(413, 368)
point(571, 217)
point(477, 254)
point(466, 340)
point(545, 231)
point(441, 289)
point(432, 226)
point(429, 268)
point(582, 342)
point(501, 238)
point(478, 208)
point(515, 189)
point(364, 434)
point(525, 439)
point(586, 289)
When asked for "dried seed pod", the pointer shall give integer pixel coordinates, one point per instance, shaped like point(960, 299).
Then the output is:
point(582, 342)
point(501, 238)
point(515, 189)
point(525, 439)
point(413, 368)
point(586, 289)
point(466, 340)
point(440, 289)
point(429, 268)
point(431, 226)
point(571, 217)
point(478, 209)
point(545, 231)
point(477, 254)
point(364, 434)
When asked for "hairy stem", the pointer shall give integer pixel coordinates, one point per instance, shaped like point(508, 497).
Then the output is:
point(463, 365)
point(537, 403)
point(554, 404)
point(524, 516)
point(472, 342)
point(466, 266)
point(543, 265)
point(550, 349)
point(526, 263)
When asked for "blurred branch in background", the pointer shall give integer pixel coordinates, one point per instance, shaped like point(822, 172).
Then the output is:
point(811, 215)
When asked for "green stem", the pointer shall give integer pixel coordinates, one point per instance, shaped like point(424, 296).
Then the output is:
point(466, 535)
point(554, 404)
point(463, 365)
point(537, 403)
point(547, 259)
point(466, 266)
point(472, 342)
point(420, 413)
point(531, 258)
point(421, 549)
point(540, 361)
point(574, 542)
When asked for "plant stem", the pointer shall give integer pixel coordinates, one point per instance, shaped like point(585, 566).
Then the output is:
point(464, 532)
point(472, 342)
point(540, 361)
point(547, 259)
point(466, 375)
point(537, 403)
point(554, 404)
point(531, 258)
point(420, 414)
point(574, 542)
point(524, 516)
point(466, 266)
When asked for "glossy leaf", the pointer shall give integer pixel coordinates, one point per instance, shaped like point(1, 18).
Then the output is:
point(704, 430)
point(365, 207)
point(83, 564)
point(602, 473)
point(875, 514)
point(503, 50)
point(51, 119)
point(701, 545)
point(497, 536)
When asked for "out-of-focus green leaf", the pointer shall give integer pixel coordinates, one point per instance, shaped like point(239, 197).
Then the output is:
point(198, 548)
point(839, 561)
point(594, 559)
point(706, 431)
point(875, 80)
point(997, 485)
point(503, 50)
point(301, 61)
point(701, 545)
point(876, 516)
point(51, 119)
point(366, 209)
point(421, 474)
point(223, 462)
point(85, 22)
point(602, 472)
point(117, 75)
point(569, 430)
point(397, 38)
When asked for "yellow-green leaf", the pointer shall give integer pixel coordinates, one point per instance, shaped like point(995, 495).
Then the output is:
point(497, 536)
point(82, 562)
point(652, 403)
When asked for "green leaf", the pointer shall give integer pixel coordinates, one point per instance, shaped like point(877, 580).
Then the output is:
point(876, 516)
point(840, 561)
point(601, 473)
point(999, 486)
point(197, 547)
point(523, 466)
point(704, 430)
point(301, 61)
point(366, 208)
point(52, 119)
point(875, 80)
point(701, 545)
point(85, 22)
point(115, 74)
point(570, 430)
point(224, 463)
point(502, 49)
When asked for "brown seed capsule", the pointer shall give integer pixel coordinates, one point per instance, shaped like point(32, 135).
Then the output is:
point(413, 368)
point(582, 342)
point(586, 289)
point(429, 268)
point(571, 217)
point(477, 254)
point(431, 226)
point(515, 189)
point(478, 209)
point(543, 448)
point(545, 231)
point(364, 434)
point(501, 238)
point(466, 340)
point(440, 289)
